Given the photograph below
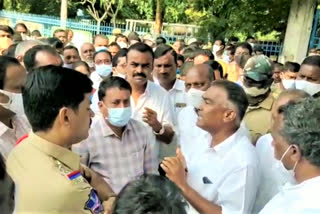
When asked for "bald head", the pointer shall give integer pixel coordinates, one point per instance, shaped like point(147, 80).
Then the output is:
point(23, 47)
point(199, 77)
point(87, 52)
point(286, 97)
point(100, 41)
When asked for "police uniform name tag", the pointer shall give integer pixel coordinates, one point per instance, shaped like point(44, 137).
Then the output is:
point(181, 105)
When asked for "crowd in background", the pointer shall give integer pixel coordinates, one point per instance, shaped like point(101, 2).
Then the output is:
point(132, 124)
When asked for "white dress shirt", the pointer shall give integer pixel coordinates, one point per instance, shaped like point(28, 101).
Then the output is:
point(157, 99)
point(177, 95)
point(192, 139)
point(296, 199)
point(96, 79)
point(227, 174)
point(272, 179)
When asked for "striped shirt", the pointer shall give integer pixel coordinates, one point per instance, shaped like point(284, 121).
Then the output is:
point(118, 160)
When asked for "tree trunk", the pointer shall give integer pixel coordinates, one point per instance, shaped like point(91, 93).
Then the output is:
point(98, 26)
point(159, 17)
point(1, 4)
point(64, 13)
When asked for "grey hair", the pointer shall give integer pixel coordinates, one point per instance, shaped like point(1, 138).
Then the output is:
point(24, 46)
point(302, 128)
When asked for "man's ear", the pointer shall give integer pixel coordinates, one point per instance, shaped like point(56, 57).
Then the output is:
point(64, 116)
point(229, 116)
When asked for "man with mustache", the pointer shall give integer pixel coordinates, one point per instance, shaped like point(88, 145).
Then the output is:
point(151, 103)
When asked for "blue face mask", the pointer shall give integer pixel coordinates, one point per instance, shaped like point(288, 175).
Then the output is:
point(119, 117)
point(178, 71)
point(104, 70)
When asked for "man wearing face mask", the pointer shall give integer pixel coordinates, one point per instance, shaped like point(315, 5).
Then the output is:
point(118, 147)
point(308, 78)
point(272, 178)
point(296, 135)
point(13, 123)
point(198, 80)
point(122, 41)
point(103, 68)
point(6, 35)
point(257, 81)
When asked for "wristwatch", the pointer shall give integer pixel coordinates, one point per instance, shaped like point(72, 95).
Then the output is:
point(161, 131)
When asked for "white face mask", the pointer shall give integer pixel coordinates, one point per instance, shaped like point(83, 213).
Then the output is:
point(15, 103)
point(288, 84)
point(194, 97)
point(254, 91)
point(310, 88)
point(104, 70)
point(101, 49)
point(123, 45)
point(65, 65)
point(119, 117)
point(215, 48)
point(288, 176)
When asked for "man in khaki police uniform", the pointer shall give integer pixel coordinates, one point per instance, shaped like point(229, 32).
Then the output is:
point(47, 174)
point(256, 83)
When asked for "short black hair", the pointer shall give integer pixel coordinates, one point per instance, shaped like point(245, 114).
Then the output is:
point(5, 62)
point(53, 42)
point(80, 63)
point(102, 51)
point(232, 49)
point(99, 36)
point(30, 56)
point(160, 40)
point(114, 44)
point(215, 66)
point(20, 24)
point(36, 33)
point(122, 53)
point(71, 47)
point(7, 29)
point(292, 67)
point(121, 36)
point(48, 89)
point(249, 37)
point(134, 36)
point(152, 194)
point(312, 60)
point(245, 45)
point(58, 31)
point(180, 57)
point(11, 50)
point(162, 50)
point(190, 52)
point(205, 52)
point(112, 82)
point(236, 95)
point(233, 39)
point(141, 47)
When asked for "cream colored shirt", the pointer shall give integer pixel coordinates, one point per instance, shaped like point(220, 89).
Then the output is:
point(42, 172)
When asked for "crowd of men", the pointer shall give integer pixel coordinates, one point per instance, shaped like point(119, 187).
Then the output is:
point(132, 125)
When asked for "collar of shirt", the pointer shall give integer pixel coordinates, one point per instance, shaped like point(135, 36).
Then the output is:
point(310, 183)
point(267, 103)
point(178, 85)
point(96, 79)
point(107, 131)
point(4, 128)
point(60, 153)
point(226, 145)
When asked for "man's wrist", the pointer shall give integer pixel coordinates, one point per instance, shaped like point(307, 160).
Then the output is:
point(158, 128)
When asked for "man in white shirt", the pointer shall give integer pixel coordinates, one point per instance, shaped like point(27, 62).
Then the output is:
point(165, 75)
point(272, 179)
point(103, 68)
point(118, 147)
point(191, 137)
point(150, 102)
point(225, 177)
point(296, 135)
point(13, 123)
